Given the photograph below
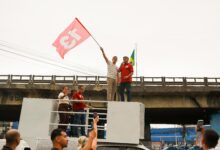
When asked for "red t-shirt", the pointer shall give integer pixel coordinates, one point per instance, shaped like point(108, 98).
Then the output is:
point(78, 105)
point(126, 69)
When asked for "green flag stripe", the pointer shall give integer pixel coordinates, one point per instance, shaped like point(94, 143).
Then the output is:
point(132, 59)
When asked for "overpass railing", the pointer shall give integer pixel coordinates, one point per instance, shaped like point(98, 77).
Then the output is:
point(101, 80)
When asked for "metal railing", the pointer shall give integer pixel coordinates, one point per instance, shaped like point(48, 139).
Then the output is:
point(101, 80)
point(89, 111)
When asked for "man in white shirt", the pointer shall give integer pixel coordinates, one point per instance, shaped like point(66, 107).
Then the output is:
point(63, 106)
point(112, 75)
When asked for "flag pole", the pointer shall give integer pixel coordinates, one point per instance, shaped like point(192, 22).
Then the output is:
point(95, 40)
point(88, 32)
point(136, 60)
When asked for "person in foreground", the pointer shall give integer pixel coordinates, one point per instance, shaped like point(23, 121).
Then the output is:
point(59, 139)
point(210, 139)
point(12, 140)
point(89, 143)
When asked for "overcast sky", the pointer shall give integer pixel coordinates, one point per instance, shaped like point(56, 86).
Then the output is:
point(174, 37)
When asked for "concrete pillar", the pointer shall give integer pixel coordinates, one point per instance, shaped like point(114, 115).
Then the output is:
point(215, 121)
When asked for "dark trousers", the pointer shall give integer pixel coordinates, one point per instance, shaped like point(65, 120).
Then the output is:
point(64, 118)
point(79, 119)
point(123, 86)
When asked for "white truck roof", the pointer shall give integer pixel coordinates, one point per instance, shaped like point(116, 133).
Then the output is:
point(125, 121)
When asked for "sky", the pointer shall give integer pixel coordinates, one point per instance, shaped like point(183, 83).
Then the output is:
point(179, 38)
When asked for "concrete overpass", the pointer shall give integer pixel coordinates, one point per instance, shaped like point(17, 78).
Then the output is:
point(178, 100)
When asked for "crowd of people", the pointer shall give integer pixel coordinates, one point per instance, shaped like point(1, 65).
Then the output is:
point(60, 139)
point(208, 139)
point(79, 106)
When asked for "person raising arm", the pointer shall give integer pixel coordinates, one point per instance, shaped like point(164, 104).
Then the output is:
point(89, 143)
point(112, 75)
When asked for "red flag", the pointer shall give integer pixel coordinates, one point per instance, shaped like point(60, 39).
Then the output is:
point(72, 36)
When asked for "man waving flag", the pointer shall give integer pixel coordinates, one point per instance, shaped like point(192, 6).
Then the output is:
point(72, 36)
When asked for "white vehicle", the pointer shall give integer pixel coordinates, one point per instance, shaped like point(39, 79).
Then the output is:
point(125, 124)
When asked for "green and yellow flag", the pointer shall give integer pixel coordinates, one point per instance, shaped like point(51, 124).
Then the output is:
point(132, 58)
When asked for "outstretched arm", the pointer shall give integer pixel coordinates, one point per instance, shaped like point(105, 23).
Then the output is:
point(92, 139)
point(94, 142)
point(105, 57)
point(88, 146)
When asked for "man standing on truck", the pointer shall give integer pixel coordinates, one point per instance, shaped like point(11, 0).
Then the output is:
point(63, 106)
point(126, 70)
point(79, 107)
point(112, 75)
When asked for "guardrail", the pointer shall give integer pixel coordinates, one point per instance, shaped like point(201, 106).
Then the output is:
point(88, 114)
point(101, 80)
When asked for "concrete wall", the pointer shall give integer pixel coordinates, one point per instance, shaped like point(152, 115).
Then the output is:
point(191, 103)
point(151, 100)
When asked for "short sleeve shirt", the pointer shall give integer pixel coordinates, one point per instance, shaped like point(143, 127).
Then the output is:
point(78, 105)
point(112, 70)
point(126, 69)
point(63, 100)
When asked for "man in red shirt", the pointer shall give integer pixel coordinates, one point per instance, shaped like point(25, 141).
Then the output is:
point(126, 70)
point(79, 107)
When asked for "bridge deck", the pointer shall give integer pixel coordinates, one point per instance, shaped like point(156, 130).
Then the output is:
point(164, 97)
point(101, 80)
